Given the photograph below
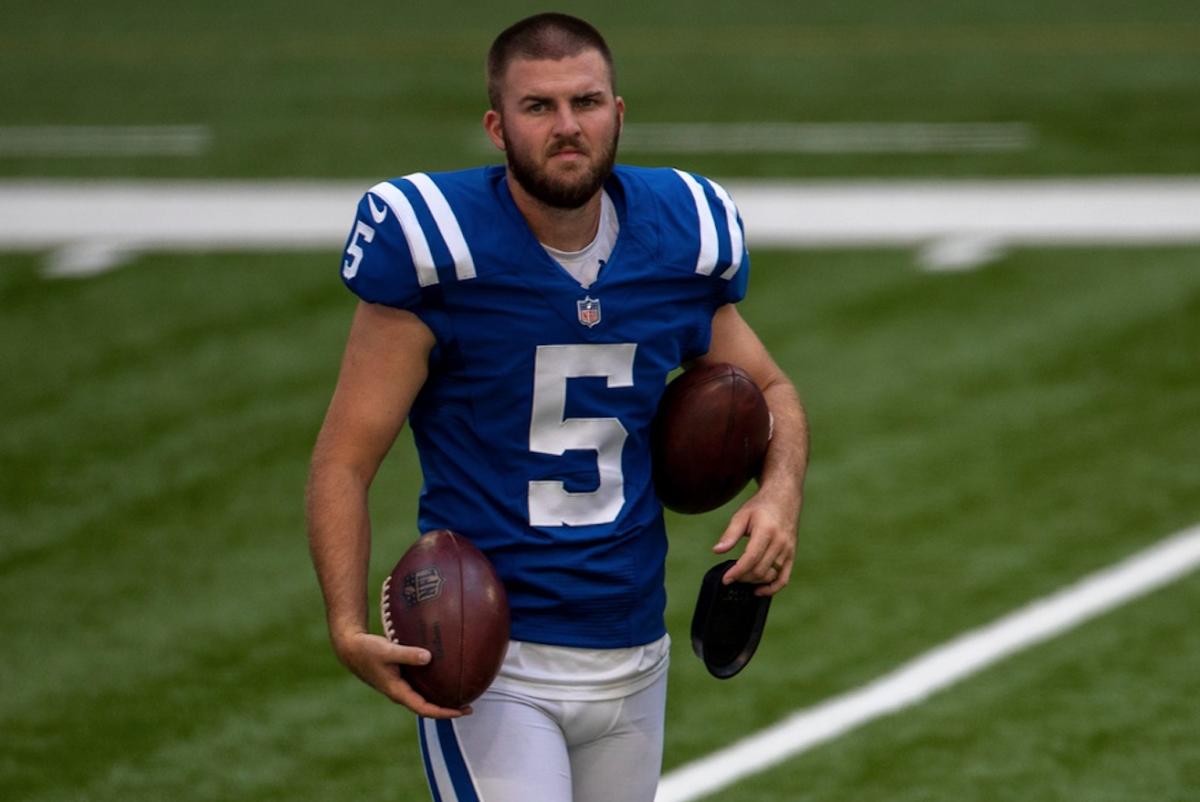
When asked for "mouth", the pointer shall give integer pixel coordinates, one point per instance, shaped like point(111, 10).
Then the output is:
point(569, 152)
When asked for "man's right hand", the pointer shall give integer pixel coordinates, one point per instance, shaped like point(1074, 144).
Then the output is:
point(376, 661)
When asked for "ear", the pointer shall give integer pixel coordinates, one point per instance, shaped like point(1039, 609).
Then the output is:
point(620, 103)
point(492, 126)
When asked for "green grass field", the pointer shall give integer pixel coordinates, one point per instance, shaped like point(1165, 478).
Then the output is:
point(980, 439)
point(383, 89)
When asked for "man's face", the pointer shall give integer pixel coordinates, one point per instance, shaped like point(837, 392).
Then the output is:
point(558, 127)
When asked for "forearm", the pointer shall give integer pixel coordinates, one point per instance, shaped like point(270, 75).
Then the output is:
point(786, 460)
point(339, 539)
point(782, 474)
point(383, 369)
point(771, 517)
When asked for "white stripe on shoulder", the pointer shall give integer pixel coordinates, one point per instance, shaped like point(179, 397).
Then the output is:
point(735, 231)
point(437, 761)
point(707, 261)
point(447, 223)
point(418, 246)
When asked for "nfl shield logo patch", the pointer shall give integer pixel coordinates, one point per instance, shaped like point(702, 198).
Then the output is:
point(422, 585)
point(589, 311)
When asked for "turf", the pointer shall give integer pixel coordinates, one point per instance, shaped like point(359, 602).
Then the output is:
point(979, 440)
point(1095, 716)
point(382, 90)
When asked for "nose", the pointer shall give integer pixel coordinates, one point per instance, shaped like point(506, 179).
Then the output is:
point(566, 124)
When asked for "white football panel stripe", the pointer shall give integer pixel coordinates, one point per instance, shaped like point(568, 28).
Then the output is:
point(707, 261)
point(437, 760)
point(447, 223)
point(735, 231)
point(418, 246)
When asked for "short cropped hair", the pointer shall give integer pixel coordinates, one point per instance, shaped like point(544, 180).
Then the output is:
point(543, 36)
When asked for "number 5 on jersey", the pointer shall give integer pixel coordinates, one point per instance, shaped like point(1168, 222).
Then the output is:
point(354, 250)
point(550, 503)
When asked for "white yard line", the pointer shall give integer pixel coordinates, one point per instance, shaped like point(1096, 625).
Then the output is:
point(28, 141)
point(1021, 211)
point(966, 655)
point(963, 224)
point(93, 225)
point(825, 138)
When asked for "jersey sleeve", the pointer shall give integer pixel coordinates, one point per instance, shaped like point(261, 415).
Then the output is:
point(701, 234)
point(709, 236)
point(377, 264)
point(734, 275)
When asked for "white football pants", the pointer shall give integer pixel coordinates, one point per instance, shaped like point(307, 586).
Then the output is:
point(516, 748)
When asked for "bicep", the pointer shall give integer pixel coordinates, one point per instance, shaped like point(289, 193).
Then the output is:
point(733, 341)
point(384, 366)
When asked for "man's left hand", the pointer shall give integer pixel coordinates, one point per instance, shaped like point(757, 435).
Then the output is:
point(770, 525)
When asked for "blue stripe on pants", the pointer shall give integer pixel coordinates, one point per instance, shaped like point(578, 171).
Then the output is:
point(464, 787)
point(433, 789)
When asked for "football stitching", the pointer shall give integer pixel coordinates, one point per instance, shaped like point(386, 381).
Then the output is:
point(385, 608)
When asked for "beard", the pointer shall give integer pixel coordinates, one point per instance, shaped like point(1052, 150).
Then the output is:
point(568, 191)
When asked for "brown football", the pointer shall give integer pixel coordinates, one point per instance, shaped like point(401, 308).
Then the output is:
point(708, 438)
point(444, 595)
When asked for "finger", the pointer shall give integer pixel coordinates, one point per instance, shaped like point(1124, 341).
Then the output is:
point(429, 710)
point(407, 655)
point(736, 530)
point(399, 691)
point(749, 560)
point(423, 707)
point(781, 582)
point(383, 650)
point(771, 566)
point(776, 557)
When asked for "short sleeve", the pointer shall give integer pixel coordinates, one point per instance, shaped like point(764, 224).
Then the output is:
point(732, 268)
point(377, 264)
point(703, 233)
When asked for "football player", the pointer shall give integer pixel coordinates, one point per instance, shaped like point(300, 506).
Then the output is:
point(524, 319)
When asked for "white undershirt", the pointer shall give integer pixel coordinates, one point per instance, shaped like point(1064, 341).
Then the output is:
point(584, 265)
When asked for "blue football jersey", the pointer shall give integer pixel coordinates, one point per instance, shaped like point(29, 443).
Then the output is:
point(533, 426)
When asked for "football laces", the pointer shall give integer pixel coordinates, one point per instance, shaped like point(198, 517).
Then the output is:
point(385, 609)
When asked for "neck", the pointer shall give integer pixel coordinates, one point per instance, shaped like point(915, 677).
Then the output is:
point(562, 229)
